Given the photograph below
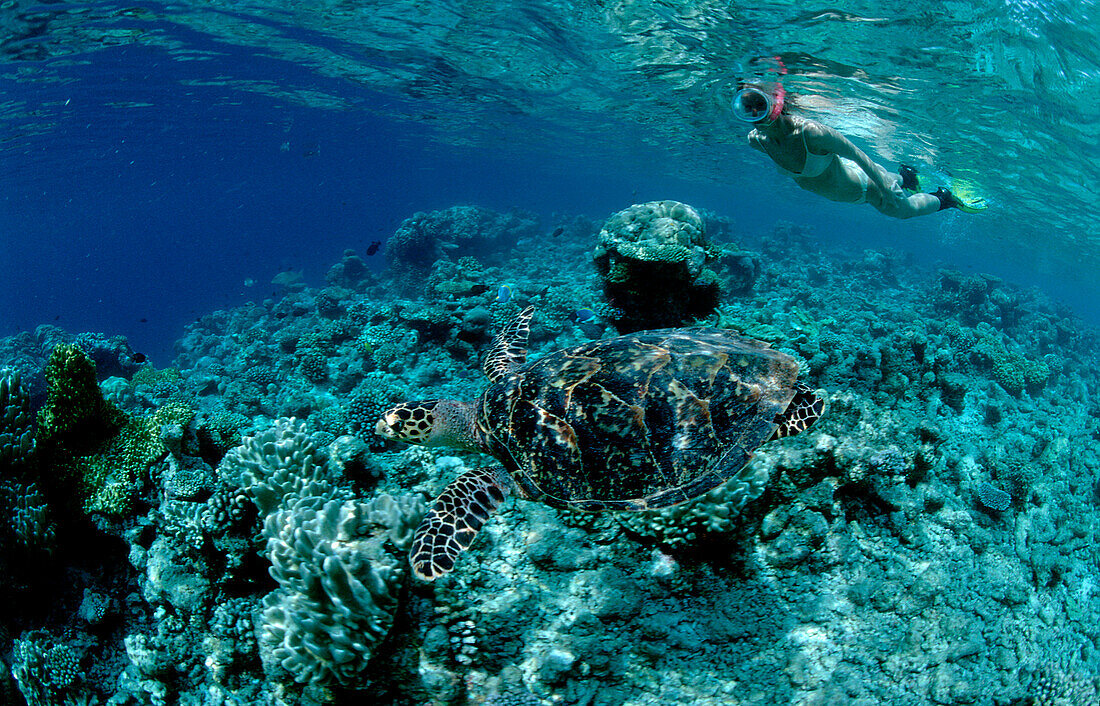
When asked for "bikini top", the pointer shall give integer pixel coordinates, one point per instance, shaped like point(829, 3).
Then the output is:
point(816, 164)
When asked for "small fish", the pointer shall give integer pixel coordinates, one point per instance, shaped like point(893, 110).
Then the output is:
point(504, 293)
point(479, 289)
point(250, 282)
point(139, 357)
point(583, 316)
point(143, 320)
point(57, 317)
point(373, 247)
point(557, 231)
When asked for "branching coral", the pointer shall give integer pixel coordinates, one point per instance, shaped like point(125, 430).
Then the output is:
point(75, 414)
point(16, 421)
point(45, 668)
point(99, 455)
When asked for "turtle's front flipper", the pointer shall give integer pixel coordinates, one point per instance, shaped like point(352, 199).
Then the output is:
point(454, 520)
point(802, 412)
point(509, 349)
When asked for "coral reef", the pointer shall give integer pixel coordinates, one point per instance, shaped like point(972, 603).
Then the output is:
point(453, 233)
point(931, 540)
point(339, 566)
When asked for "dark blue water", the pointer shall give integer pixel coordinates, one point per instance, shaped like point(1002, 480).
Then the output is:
point(135, 220)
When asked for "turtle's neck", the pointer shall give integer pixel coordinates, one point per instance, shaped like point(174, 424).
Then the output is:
point(456, 423)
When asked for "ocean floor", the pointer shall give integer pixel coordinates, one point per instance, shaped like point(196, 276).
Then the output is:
point(229, 530)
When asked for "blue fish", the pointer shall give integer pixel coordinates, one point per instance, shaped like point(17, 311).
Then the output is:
point(504, 293)
point(583, 316)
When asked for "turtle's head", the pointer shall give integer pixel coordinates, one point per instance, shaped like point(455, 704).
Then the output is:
point(430, 423)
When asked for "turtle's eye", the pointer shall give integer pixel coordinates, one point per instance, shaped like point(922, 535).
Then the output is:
point(389, 426)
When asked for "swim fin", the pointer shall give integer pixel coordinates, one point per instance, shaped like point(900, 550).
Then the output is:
point(949, 200)
point(910, 181)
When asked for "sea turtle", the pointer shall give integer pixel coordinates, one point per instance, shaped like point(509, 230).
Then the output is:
point(637, 422)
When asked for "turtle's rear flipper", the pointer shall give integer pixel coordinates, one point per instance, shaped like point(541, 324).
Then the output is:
point(450, 526)
point(802, 412)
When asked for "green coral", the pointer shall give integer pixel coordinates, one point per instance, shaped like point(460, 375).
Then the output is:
point(96, 454)
point(1013, 371)
point(75, 416)
point(152, 378)
point(111, 478)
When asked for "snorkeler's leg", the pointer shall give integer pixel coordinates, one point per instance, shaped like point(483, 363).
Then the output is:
point(918, 205)
point(947, 199)
point(901, 205)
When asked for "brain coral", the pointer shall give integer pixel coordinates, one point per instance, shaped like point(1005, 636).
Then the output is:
point(653, 259)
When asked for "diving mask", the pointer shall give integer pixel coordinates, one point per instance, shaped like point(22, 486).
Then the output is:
point(752, 105)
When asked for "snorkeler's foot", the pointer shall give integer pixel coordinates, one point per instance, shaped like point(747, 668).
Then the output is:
point(909, 180)
point(949, 200)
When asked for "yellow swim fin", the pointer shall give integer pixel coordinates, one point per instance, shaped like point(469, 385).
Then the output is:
point(964, 194)
point(967, 195)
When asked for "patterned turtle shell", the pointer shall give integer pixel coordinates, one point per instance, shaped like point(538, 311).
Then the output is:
point(637, 422)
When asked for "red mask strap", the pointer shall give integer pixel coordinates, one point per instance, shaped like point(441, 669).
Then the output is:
point(780, 93)
point(778, 98)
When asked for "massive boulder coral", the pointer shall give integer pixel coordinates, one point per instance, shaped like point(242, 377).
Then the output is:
point(654, 260)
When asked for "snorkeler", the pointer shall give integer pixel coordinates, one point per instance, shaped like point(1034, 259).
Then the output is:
point(823, 161)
